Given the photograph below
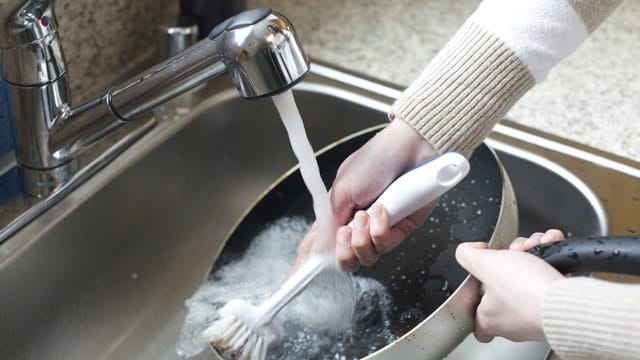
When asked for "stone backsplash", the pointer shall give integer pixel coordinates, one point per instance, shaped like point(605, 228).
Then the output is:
point(104, 41)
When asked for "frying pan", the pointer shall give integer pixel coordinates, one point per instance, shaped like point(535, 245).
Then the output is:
point(432, 296)
point(433, 309)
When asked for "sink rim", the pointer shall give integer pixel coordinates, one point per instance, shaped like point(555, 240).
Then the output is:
point(163, 131)
point(572, 179)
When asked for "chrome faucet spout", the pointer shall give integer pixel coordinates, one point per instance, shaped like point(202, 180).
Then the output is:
point(259, 48)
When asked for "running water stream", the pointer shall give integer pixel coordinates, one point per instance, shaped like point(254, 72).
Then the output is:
point(286, 105)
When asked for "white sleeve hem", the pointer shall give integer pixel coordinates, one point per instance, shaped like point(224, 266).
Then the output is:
point(540, 32)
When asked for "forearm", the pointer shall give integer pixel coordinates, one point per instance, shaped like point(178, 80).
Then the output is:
point(501, 52)
point(585, 318)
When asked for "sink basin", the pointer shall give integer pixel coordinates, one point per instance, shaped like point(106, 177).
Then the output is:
point(104, 273)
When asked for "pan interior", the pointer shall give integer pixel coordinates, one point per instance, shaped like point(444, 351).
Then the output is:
point(395, 294)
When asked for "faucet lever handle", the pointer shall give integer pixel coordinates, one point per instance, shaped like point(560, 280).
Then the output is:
point(30, 42)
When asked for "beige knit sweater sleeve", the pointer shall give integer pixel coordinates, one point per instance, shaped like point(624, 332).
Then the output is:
point(586, 318)
point(501, 52)
point(497, 55)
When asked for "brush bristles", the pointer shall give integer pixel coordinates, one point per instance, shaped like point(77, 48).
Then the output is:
point(231, 335)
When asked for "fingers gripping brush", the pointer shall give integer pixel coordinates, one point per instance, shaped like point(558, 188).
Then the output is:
point(245, 330)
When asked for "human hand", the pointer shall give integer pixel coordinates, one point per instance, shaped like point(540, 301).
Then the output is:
point(360, 179)
point(526, 244)
point(514, 286)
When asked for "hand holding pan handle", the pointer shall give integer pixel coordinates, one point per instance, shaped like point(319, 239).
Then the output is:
point(612, 254)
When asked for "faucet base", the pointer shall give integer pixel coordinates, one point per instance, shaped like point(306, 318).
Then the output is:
point(39, 183)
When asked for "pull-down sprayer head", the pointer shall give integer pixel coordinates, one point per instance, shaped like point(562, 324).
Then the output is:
point(261, 52)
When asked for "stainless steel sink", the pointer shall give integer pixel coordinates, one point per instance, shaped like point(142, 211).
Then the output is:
point(104, 273)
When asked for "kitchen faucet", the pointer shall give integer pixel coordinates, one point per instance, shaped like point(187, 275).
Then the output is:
point(259, 48)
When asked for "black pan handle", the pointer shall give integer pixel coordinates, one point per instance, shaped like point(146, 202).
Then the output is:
point(613, 254)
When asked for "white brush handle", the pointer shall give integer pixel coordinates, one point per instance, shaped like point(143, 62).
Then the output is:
point(293, 286)
point(408, 193)
point(423, 184)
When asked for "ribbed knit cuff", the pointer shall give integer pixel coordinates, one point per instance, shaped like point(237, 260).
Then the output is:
point(467, 88)
point(586, 318)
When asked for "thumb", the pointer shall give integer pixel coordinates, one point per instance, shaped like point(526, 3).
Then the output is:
point(473, 256)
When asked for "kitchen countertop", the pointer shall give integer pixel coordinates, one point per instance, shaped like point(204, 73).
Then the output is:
point(592, 97)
